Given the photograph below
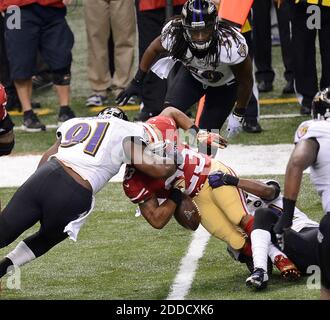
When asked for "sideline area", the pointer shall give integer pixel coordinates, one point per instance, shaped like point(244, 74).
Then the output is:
point(245, 160)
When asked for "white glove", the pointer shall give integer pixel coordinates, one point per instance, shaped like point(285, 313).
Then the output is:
point(235, 125)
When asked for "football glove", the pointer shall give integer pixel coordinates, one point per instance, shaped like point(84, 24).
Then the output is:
point(235, 125)
point(218, 179)
point(212, 139)
point(285, 221)
point(133, 89)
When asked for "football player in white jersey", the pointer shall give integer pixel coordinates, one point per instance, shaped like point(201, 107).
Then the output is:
point(264, 201)
point(60, 194)
point(312, 150)
point(215, 63)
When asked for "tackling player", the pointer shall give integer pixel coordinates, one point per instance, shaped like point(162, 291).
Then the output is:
point(223, 211)
point(215, 63)
point(312, 149)
point(60, 194)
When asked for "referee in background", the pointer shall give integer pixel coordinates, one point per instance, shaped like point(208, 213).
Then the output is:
point(304, 37)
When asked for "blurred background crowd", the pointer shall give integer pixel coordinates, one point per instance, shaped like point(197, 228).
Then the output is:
point(39, 54)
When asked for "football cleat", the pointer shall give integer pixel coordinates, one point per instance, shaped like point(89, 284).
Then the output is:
point(287, 268)
point(258, 279)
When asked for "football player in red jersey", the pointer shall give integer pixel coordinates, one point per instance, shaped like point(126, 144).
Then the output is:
point(223, 211)
point(6, 126)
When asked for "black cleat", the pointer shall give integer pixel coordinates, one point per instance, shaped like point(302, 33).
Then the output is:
point(305, 111)
point(258, 279)
point(289, 88)
point(65, 114)
point(31, 123)
point(251, 125)
point(265, 86)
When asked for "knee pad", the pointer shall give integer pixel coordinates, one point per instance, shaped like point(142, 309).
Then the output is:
point(264, 218)
point(323, 238)
point(62, 77)
point(6, 148)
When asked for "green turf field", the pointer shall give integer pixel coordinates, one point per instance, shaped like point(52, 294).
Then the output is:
point(119, 256)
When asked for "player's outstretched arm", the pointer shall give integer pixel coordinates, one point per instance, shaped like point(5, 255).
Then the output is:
point(135, 86)
point(146, 162)
point(303, 155)
point(184, 122)
point(265, 191)
point(244, 76)
point(159, 215)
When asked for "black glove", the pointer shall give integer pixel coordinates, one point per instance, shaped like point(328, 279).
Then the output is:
point(133, 89)
point(285, 221)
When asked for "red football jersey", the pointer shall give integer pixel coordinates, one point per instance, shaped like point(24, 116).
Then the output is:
point(194, 171)
point(139, 187)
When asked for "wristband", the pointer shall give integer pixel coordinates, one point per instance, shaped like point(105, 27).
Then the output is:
point(230, 180)
point(139, 76)
point(194, 127)
point(176, 196)
point(289, 206)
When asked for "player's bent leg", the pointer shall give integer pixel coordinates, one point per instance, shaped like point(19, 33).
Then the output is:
point(261, 240)
point(30, 249)
point(42, 241)
point(216, 222)
point(324, 255)
point(229, 199)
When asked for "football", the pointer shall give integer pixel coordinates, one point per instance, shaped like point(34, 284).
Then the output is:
point(187, 214)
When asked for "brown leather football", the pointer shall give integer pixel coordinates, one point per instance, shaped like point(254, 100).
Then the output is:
point(187, 214)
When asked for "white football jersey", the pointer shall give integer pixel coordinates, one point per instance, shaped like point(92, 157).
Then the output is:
point(205, 73)
point(320, 170)
point(300, 220)
point(92, 147)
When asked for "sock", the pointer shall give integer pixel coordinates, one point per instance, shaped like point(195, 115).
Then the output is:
point(4, 265)
point(273, 252)
point(249, 226)
point(21, 255)
point(260, 245)
point(247, 250)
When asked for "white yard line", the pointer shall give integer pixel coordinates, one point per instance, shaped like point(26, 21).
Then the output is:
point(189, 264)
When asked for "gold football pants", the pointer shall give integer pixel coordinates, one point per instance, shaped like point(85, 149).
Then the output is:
point(222, 210)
